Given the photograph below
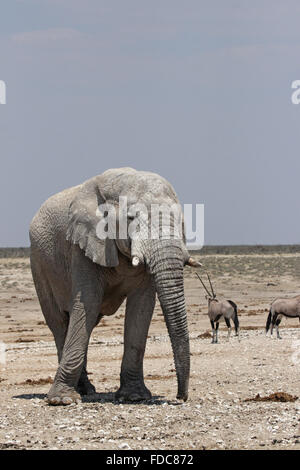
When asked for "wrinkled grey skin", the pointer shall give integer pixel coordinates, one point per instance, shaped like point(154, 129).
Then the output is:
point(79, 278)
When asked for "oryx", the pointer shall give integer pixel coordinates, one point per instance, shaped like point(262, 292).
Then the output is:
point(282, 307)
point(220, 308)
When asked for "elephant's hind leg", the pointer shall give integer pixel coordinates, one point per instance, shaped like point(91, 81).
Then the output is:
point(56, 319)
point(58, 323)
point(71, 374)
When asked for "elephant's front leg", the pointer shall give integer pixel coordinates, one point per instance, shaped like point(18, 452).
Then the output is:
point(139, 310)
point(85, 386)
point(71, 368)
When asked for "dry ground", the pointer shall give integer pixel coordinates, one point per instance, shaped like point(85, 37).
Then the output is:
point(223, 376)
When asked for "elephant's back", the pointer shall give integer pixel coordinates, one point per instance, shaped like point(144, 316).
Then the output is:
point(51, 220)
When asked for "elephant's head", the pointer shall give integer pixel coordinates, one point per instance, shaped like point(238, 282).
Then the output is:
point(164, 256)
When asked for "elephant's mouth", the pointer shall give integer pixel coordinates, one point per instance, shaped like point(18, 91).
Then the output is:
point(124, 246)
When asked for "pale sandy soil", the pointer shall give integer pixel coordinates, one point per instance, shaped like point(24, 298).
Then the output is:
point(216, 415)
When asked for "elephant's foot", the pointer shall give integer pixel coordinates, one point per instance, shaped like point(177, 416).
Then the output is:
point(85, 387)
point(133, 392)
point(62, 395)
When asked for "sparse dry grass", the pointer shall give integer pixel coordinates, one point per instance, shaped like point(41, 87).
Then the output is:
point(231, 400)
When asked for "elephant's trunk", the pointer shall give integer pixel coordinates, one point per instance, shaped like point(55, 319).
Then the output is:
point(167, 268)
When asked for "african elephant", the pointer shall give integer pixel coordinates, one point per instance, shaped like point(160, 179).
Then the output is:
point(80, 277)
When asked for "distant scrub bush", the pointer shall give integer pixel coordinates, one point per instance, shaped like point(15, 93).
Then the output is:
point(248, 249)
point(24, 252)
point(21, 252)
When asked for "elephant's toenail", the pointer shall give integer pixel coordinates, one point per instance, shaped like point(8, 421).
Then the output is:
point(54, 401)
point(67, 401)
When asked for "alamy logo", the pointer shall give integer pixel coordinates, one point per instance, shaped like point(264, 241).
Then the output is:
point(296, 94)
point(296, 352)
point(2, 353)
point(156, 221)
point(2, 92)
point(296, 361)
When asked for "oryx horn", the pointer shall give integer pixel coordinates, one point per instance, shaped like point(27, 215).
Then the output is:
point(203, 285)
point(212, 290)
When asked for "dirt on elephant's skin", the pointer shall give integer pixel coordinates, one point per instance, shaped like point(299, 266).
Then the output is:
point(242, 395)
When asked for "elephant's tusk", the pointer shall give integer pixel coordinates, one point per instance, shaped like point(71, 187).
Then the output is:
point(135, 261)
point(192, 262)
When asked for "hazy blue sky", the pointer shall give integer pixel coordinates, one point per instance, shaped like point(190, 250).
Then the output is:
point(196, 90)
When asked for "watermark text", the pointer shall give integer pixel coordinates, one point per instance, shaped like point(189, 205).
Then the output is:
point(2, 92)
point(151, 222)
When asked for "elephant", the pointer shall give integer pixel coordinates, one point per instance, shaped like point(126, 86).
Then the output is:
point(80, 277)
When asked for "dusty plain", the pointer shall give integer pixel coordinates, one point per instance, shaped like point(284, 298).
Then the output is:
point(223, 376)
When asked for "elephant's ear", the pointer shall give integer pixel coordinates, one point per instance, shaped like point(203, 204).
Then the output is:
point(82, 226)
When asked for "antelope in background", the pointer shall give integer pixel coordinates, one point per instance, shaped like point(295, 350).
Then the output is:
point(218, 309)
point(282, 307)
